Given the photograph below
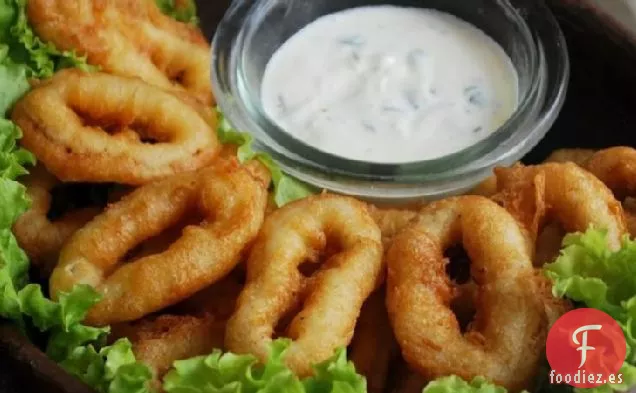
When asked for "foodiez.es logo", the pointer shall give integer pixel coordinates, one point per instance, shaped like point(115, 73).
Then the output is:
point(586, 348)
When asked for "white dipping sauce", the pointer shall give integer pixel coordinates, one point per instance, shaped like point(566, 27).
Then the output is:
point(389, 84)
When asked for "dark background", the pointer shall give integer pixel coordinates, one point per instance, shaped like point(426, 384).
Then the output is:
point(600, 111)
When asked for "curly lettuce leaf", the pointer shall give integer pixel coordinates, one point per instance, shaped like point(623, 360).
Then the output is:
point(60, 319)
point(14, 263)
point(80, 349)
point(14, 266)
point(590, 273)
point(227, 372)
point(336, 375)
point(455, 384)
point(13, 79)
point(231, 373)
point(286, 188)
point(182, 10)
point(112, 369)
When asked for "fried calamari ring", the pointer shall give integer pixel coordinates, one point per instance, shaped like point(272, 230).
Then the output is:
point(616, 167)
point(41, 237)
point(488, 187)
point(563, 192)
point(373, 347)
point(330, 299)
point(130, 38)
point(81, 127)
point(232, 205)
point(503, 342)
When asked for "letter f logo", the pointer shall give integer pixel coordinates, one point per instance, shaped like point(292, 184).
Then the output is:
point(583, 347)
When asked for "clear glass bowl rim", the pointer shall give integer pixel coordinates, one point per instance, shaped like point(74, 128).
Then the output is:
point(311, 164)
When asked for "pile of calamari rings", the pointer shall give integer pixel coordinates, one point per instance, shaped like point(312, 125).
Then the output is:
point(189, 253)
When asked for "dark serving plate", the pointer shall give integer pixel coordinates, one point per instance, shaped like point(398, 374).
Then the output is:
point(600, 111)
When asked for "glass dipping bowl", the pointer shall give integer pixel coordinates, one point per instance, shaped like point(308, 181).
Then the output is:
point(252, 30)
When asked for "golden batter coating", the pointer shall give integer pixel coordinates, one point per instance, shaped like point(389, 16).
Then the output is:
point(232, 206)
point(563, 192)
point(330, 298)
point(130, 38)
point(503, 343)
point(95, 127)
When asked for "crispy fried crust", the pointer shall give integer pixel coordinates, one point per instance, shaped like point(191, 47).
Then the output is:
point(131, 38)
point(331, 298)
point(503, 342)
point(92, 127)
point(616, 167)
point(563, 192)
point(232, 205)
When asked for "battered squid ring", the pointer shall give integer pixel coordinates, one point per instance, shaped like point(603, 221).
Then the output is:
point(130, 38)
point(232, 204)
point(331, 298)
point(565, 191)
point(616, 167)
point(56, 121)
point(503, 343)
point(42, 238)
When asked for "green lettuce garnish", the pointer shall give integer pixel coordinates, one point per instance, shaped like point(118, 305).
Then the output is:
point(336, 375)
point(182, 10)
point(286, 188)
point(455, 384)
point(79, 349)
point(110, 369)
point(230, 373)
point(594, 276)
point(14, 263)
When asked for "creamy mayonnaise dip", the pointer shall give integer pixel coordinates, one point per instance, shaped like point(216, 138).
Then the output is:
point(389, 84)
